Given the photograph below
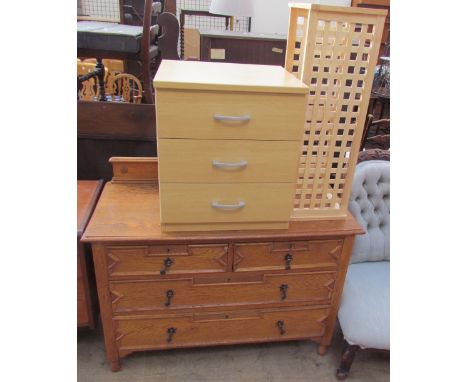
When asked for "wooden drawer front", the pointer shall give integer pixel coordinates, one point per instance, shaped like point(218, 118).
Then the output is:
point(218, 328)
point(299, 255)
point(216, 161)
point(189, 114)
point(151, 259)
point(188, 293)
point(192, 203)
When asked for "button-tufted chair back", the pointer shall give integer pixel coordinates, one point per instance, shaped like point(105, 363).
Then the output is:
point(370, 205)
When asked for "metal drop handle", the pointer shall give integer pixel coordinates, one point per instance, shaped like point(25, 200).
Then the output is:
point(287, 260)
point(229, 165)
point(169, 295)
point(170, 334)
point(284, 291)
point(280, 325)
point(167, 264)
point(232, 118)
point(220, 206)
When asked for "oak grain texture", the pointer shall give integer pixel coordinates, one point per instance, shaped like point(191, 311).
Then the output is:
point(219, 297)
point(129, 213)
point(138, 333)
point(189, 292)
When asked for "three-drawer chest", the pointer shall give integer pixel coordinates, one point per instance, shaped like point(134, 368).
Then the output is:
point(162, 290)
point(229, 138)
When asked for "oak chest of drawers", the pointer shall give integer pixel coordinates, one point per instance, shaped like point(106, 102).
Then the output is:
point(229, 139)
point(169, 290)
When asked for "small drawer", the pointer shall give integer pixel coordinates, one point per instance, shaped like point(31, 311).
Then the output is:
point(287, 255)
point(225, 203)
point(218, 328)
point(190, 293)
point(207, 115)
point(163, 260)
point(235, 161)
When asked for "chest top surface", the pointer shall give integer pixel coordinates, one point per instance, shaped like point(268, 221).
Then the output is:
point(128, 212)
point(87, 194)
point(198, 75)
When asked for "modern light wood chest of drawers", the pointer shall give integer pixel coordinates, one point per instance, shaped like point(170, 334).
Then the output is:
point(170, 290)
point(229, 139)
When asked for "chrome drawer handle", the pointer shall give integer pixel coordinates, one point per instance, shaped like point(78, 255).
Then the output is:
point(229, 165)
point(220, 206)
point(232, 118)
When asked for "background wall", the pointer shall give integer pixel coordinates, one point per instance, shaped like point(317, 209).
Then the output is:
point(272, 16)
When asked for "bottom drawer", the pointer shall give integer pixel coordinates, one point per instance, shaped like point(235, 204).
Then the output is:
point(225, 203)
point(135, 333)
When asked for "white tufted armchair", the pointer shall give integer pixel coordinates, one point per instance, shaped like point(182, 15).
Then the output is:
point(364, 313)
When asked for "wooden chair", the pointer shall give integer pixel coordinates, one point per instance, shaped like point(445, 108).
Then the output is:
point(372, 137)
point(87, 90)
point(364, 313)
point(114, 40)
point(125, 87)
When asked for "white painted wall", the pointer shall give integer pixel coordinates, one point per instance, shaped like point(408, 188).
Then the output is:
point(272, 16)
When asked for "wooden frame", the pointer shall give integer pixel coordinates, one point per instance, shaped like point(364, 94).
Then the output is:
point(189, 12)
point(144, 55)
point(334, 50)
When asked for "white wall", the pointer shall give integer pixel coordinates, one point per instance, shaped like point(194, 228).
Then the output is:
point(272, 16)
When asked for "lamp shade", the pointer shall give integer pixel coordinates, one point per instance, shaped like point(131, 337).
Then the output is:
point(232, 7)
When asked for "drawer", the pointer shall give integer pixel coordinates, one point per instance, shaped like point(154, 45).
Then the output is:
point(190, 114)
point(192, 293)
point(171, 259)
point(227, 202)
point(284, 255)
point(228, 161)
point(218, 328)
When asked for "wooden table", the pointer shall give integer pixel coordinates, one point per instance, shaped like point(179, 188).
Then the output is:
point(169, 290)
point(87, 195)
point(242, 47)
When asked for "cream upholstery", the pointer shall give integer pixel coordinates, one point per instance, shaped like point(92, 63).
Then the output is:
point(364, 313)
point(370, 205)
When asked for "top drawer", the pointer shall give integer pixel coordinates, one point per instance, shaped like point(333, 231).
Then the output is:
point(203, 115)
point(287, 255)
point(153, 260)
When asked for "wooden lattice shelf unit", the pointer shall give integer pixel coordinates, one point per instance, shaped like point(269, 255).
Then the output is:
point(334, 50)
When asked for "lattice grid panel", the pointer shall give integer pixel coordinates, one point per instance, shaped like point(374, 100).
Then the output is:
point(335, 52)
point(106, 10)
point(298, 26)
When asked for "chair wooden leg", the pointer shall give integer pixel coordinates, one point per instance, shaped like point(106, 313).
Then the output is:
point(347, 358)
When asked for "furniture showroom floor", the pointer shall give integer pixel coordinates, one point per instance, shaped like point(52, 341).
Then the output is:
point(288, 361)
